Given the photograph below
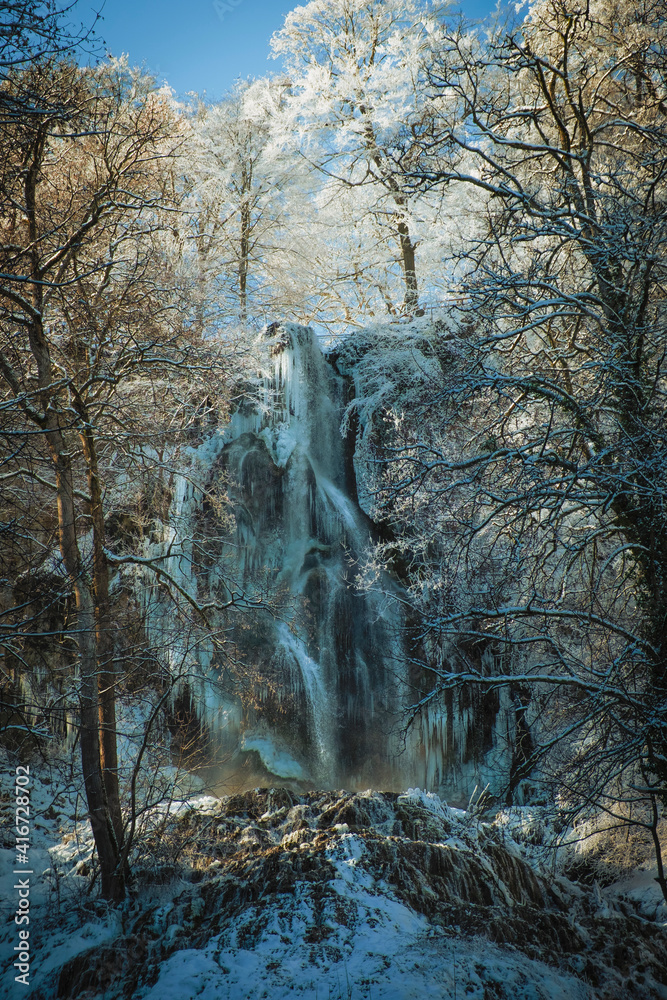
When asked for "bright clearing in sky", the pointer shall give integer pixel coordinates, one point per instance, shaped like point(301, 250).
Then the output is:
point(203, 45)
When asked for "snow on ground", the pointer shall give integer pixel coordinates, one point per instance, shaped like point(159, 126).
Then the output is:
point(391, 961)
point(271, 894)
point(382, 949)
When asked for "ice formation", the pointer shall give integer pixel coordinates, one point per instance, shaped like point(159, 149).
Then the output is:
point(312, 676)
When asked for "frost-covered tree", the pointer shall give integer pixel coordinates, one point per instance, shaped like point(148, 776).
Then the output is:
point(357, 107)
point(538, 469)
point(237, 244)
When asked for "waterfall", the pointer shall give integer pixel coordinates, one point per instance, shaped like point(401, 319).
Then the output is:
point(318, 672)
point(309, 680)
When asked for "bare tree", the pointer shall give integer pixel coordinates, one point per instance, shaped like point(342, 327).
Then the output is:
point(78, 172)
point(540, 471)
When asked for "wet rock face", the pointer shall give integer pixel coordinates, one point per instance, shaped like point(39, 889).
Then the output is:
point(290, 890)
point(322, 676)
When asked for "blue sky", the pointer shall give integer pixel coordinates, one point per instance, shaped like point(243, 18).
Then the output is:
point(195, 46)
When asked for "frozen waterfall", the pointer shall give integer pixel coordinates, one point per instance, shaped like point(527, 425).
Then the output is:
point(324, 660)
point(310, 681)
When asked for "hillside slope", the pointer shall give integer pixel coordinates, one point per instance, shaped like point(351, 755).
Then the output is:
point(275, 894)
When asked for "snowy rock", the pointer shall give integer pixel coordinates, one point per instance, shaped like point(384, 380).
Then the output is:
point(368, 895)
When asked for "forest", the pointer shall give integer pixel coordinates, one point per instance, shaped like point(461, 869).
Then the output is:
point(471, 220)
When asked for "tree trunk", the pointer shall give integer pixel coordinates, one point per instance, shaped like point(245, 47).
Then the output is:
point(113, 883)
point(107, 680)
point(243, 260)
point(389, 182)
point(411, 300)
